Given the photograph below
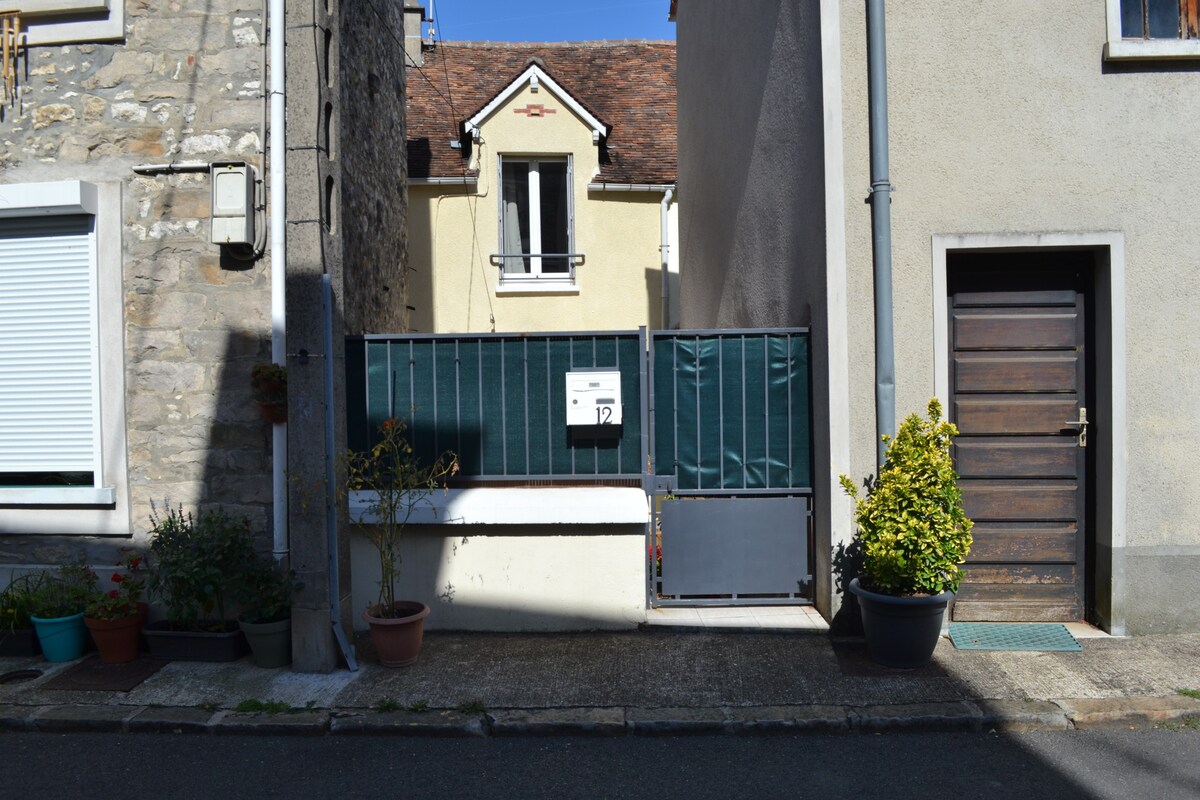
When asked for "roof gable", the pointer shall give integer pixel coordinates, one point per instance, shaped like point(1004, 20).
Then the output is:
point(627, 86)
point(535, 77)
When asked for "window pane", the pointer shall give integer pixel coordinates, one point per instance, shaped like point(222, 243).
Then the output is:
point(1164, 19)
point(1131, 19)
point(555, 237)
point(514, 215)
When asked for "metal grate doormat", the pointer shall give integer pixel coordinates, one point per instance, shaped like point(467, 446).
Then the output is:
point(93, 675)
point(1013, 636)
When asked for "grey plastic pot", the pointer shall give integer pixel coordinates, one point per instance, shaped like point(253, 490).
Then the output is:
point(901, 632)
point(270, 642)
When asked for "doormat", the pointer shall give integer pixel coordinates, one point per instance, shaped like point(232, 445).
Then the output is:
point(93, 675)
point(1013, 636)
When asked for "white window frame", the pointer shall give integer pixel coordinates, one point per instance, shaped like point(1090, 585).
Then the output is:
point(535, 222)
point(1118, 48)
point(103, 507)
point(63, 21)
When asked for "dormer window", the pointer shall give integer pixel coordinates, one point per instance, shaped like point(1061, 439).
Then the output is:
point(535, 219)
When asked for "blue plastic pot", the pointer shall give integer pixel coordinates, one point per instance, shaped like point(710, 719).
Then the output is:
point(62, 638)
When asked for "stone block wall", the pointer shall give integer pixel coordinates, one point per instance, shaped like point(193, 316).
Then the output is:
point(186, 85)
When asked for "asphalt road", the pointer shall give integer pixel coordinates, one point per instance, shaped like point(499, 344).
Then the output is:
point(1120, 764)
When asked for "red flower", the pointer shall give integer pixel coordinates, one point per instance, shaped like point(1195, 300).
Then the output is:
point(113, 594)
point(117, 577)
point(135, 562)
point(388, 424)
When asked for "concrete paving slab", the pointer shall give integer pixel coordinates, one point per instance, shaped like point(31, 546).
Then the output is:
point(16, 718)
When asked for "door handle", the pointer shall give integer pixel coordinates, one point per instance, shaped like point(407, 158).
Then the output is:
point(1080, 425)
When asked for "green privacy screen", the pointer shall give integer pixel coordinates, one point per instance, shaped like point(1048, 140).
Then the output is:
point(731, 409)
point(497, 400)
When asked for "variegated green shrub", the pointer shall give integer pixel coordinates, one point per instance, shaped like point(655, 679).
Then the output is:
point(911, 523)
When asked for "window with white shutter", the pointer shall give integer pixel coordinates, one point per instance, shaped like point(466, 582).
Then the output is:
point(63, 459)
point(48, 351)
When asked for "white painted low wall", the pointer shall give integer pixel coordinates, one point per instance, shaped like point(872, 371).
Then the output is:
point(515, 578)
point(517, 559)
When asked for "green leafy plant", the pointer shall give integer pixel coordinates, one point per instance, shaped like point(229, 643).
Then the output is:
point(399, 483)
point(122, 601)
point(63, 592)
point(16, 602)
point(911, 524)
point(268, 384)
point(387, 704)
point(1192, 693)
point(418, 707)
point(197, 562)
point(264, 590)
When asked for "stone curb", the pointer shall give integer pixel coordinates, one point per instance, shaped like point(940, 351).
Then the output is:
point(989, 716)
point(408, 723)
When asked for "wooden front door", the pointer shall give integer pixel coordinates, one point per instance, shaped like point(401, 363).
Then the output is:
point(1018, 377)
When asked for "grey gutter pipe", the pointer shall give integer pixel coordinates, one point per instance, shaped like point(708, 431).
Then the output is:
point(881, 228)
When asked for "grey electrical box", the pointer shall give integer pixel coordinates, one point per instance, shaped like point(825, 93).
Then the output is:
point(232, 203)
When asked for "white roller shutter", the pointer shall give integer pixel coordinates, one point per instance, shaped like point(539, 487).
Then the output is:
point(49, 407)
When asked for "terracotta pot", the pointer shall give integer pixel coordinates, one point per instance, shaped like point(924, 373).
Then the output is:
point(398, 639)
point(274, 413)
point(118, 640)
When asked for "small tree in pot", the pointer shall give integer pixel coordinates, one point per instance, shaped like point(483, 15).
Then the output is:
point(915, 537)
point(397, 483)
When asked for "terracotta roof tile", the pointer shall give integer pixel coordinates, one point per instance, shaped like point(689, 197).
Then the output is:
point(628, 85)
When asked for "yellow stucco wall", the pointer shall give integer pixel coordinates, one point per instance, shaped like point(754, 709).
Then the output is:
point(455, 229)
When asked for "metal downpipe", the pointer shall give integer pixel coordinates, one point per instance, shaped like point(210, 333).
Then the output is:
point(881, 228)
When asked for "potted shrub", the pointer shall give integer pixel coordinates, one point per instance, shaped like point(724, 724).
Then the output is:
point(397, 484)
point(115, 618)
point(56, 610)
point(195, 566)
point(17, 637)
point(268, 386)
point(914, 537)
point(264, 592)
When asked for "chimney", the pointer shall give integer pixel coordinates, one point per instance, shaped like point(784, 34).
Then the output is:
point(414, 15)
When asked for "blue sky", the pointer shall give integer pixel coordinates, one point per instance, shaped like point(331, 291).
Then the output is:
point(550, 20)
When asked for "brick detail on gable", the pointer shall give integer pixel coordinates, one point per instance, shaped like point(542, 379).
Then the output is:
point(535, 110)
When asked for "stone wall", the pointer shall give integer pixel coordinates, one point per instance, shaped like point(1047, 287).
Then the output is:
point(186, 85)
point(374, 170)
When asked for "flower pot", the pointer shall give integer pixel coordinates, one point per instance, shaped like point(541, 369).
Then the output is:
point(118, 640)
point(398, 639)
point(270, 642)
point(274, 413)
point(61, 638)
point(224, 644)
point(901, 632)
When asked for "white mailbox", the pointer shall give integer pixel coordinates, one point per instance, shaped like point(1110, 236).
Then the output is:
point(594, 398)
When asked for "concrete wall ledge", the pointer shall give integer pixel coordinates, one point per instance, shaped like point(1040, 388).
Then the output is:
point(575, 505)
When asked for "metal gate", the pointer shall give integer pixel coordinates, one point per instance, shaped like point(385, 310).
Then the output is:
point(730, 480)
point(716, 428)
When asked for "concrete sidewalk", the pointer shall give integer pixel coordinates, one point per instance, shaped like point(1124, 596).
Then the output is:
point(650, 681)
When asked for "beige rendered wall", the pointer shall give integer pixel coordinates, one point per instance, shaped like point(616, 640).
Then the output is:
point(454, 229)
point(1008, 121)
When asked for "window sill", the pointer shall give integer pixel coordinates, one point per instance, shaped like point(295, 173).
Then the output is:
point(58, 496)
point(1151, 49)
point(537, 287)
